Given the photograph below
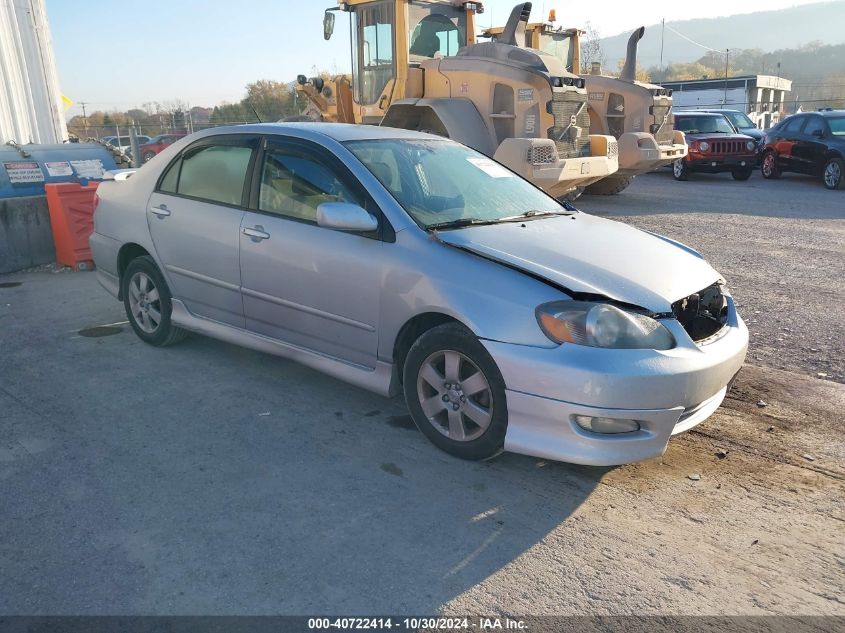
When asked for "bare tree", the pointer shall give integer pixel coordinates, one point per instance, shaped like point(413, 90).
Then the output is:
point(591, 50)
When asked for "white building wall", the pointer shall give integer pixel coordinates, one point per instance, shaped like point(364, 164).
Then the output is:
point(713, 98)
point(31, 109)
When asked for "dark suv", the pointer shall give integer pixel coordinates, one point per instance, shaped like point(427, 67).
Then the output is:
point(808, 143)
point(714, 146)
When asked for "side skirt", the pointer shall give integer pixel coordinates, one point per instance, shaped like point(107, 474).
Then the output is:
point(380, 380)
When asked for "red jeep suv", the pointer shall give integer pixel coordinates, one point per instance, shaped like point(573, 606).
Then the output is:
point(714, 146)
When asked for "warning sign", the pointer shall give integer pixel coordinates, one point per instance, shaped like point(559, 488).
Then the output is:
point(59, 168)
point(92, 168)
point(21, 172)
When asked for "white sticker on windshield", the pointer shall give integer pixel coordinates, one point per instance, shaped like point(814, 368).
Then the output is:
point(490, 167)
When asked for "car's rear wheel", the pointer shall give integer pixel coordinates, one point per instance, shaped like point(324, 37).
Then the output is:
point(680, 170)
point(148, 305)
point(833, 175)
point(148, 156)
point(455, 393)
point(770, 167)
point(743, 173)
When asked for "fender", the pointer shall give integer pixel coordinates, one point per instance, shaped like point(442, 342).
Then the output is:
point(457, 119)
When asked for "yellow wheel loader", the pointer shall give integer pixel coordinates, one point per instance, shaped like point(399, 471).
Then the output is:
point(416, 65)
point(636, 113)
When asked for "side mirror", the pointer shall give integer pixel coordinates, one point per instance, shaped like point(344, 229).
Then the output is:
point(818, 133)
point(344, 216)
point(328, 25)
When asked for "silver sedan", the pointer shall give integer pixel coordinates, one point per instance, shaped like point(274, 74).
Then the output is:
point(403, 262)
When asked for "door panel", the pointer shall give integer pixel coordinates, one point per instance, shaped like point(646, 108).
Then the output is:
point(313, 287)
point(195, 220)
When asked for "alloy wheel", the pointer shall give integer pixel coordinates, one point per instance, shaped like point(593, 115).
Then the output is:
point(769, 164)
point(455, 396)
point(144, 302)
point(832, 174)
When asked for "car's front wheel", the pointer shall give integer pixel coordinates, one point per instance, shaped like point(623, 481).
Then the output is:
point(743, 173)
point(770, 167)
point(455, 393)
point(833, 174)
point(148, 156)
point(680, 170)
point(147, 301)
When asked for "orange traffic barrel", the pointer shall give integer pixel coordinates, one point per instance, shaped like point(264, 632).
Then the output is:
point(72, 219)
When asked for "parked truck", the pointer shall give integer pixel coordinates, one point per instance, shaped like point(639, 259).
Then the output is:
point(636, 113)
point(416, 65)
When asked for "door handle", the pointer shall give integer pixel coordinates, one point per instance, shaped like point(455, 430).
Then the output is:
point(257, 233)
point(161, 211)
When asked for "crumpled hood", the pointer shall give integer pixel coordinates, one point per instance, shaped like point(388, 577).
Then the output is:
point(584, 253)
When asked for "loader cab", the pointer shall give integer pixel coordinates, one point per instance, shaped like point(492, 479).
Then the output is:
point(391, 38)
point(546, 38)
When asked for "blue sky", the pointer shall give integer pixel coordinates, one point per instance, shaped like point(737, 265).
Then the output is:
point(118, 54)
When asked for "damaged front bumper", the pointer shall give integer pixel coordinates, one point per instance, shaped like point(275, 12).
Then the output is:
point(664, 392)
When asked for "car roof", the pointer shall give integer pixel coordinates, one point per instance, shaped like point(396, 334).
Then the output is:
point(338, 131)
point(827, 113)
point(698, 113)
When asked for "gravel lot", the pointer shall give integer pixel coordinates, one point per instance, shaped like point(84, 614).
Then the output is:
point(209, 479)
point(780, 245)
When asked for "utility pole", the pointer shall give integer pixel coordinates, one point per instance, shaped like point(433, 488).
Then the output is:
point(727, 57)
point(84, 117)
point(662, 33)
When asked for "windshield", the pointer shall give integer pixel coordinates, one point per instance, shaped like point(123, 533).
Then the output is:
point(443, 181)
point(837, 125)
point(559, 45)
point(435, 30)
point(740, 119)
point(703, 125)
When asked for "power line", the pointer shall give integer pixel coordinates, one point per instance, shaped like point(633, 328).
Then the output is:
point(692, 41)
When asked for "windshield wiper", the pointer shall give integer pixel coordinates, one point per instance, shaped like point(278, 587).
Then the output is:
point(459, 223)
point(536, 214)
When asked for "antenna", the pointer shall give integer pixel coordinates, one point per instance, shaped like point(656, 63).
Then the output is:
point(252, 107)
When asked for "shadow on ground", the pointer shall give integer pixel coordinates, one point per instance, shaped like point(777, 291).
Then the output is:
point(208, 479)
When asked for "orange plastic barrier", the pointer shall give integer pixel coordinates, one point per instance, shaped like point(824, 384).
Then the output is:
point(72, 219)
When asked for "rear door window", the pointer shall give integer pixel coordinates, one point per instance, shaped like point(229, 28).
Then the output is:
point(215, 171)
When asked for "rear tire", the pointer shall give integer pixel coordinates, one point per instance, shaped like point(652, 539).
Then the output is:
point(609, 186)
point(833, 175)
point(148, 156)
point(769, 166)
point(148, 303)
point(469, 417)
point(680, 171)
point(743, 173)
point(572, 196)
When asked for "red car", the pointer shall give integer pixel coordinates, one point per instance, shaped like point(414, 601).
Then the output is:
point(158, 143)
point(714, 147)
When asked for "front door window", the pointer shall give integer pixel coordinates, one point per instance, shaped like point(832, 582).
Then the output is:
point(373, 55)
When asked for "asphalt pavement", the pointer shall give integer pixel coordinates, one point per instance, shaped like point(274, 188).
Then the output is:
point(209, 479)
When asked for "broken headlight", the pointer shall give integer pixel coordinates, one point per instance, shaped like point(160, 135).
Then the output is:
point(601, 325)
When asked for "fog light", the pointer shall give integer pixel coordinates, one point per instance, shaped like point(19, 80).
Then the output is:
point(606, 425)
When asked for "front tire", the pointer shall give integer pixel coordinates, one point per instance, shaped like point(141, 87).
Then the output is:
point(609, 185)
point(743, 173)
point(148, 156)
point(148, 304)
point(769, 167)
point(455, 393)
point(833, 175)
point(680, 170)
